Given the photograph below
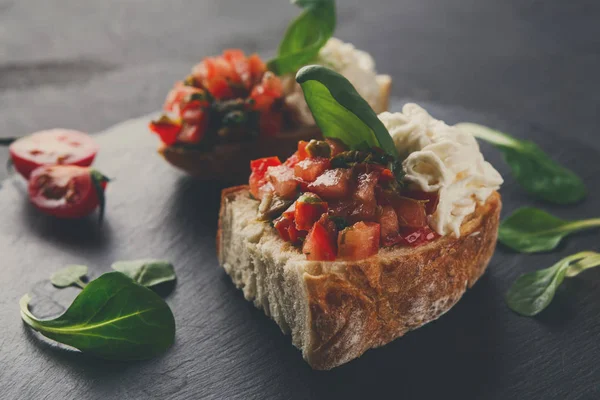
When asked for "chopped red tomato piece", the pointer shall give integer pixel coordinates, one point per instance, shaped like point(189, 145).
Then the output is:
point(259, 169)
point(257, 67)
point(333, 184)
point(417, 236)
point(309, 169)
point(287, 229)
point(282, 179)
point(166, 129)
point(430, 199)
point(337, 146)
point(302, 153)
point(359, 241)
point(320, 243)
point(388, 220)
point(265, 93)
point(410, 212)
point(386, 176)
point(178, 95)
point(292, 160)
point(308, 210)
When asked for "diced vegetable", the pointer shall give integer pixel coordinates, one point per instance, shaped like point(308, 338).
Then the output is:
point(359, 241)
point(309, 169)
point(388, 220)
point(166, 129)
point(430, 199)
point(320, 243)
point(259, 169)
point(333, 184)
point(302, 153)
point(287, 229)
point(411, 213)
point(282, 179)
point(308, 210)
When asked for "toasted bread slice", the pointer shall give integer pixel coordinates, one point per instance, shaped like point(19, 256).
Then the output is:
point(335, 311)
point(231, 162)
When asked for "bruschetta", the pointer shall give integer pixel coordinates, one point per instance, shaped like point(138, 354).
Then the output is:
point(234, 107)
point(349, 248)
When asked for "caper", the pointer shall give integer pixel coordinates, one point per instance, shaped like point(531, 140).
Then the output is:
point(318, 148)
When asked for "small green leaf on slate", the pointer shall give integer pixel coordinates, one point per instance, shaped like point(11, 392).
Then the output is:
point(113, 318)
point(532, 292)
point(533, 169)
point(531, 230)
point(147, 272)
point(341, 112)
point(70, 275)
point(305, 36)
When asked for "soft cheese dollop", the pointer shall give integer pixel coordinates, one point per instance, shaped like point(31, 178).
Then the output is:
point(356, 65)
point(444, 159)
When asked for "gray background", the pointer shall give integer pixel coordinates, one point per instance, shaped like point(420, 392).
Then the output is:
point(529, 67)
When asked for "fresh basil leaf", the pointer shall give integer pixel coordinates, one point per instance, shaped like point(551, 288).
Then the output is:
point(531, 230)
point(341, 112)
point(147, 272)
point(99, 182)
point(112, 318)
point(70, 275)
point(532, 292)
point(305, 36)
point(533, 169)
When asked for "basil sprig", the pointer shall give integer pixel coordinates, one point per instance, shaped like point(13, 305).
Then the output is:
point(341, 113)
point(113, 318)
point(533, 169)
point(305, 36)
point(532, 292)
point(531, 230)
point(147, 272)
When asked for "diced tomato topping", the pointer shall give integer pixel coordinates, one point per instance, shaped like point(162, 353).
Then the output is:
point(292, 160)
point(302, 153)
point(257, 67)
point(359, 241)
point(310, 168)
point(333, 184)
point(178, 95)
point(388, 220)
point(270, 123)
point(431, 199)
point(259, 169)
point(418, 236)
point(308, 210)
point(191, 134)
point(410, 212)
point(337, 146)
point(365, 191)
point(287, 229)
point(166, 129)
point(282, 179)
point(220, 89)
point(386, 176)
point(265, 93)
point(320, 243)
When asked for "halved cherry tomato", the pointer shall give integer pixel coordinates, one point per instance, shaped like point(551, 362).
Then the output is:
point(308, 210)
point(52, 147)
point(67, 191)
point(359, 241)
point(166, 129)
point(259, 169)
point(320, 243)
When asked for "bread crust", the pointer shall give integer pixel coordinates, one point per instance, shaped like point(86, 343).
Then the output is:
point(355, 306)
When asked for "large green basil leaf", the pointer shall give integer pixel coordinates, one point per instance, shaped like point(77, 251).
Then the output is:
point(341, 112)
point(113, 318)
point(305, 36)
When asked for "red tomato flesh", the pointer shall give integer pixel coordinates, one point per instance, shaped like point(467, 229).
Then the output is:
point(52, 147)
point(63, 191)
point(282, 179)
point(410, 212)
point(388, 220)
point(309, 169)
point(320, 243)
point(308, 210)
point(359, 241)
point(259, 170)
point(333, 184)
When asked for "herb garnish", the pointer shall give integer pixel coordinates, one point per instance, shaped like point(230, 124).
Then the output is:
point(533, 169)
point(147, 272)
point(341, 113)
point(69, 276)
point(532, 292)
point(113, 318)
point(305, 36)
point(531, 230)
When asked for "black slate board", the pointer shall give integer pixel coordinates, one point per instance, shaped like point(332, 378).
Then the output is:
point(225, 348)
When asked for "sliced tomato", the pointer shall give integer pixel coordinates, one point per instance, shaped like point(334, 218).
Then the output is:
point(320, 243)
point(417, 236)
point(259, 169)
point(388, 220)
point(333, 184)
point(308, 209)
point(55, 146)
point(430, 199)
point(282, 179)
point(309, 169)
point(411, 213)
point(66, 191)
point(359, 241)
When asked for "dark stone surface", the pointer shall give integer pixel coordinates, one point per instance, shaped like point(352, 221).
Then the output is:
point(528, 67)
